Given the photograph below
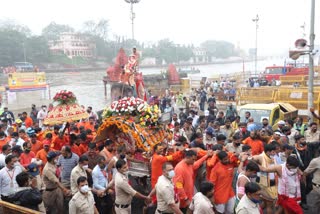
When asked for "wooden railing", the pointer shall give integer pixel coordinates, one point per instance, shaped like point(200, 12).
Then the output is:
point(9, 208)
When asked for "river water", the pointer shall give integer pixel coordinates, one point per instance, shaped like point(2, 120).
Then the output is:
point(89, 89)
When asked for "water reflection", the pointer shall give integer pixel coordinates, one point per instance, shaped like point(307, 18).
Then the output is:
point(89, 89)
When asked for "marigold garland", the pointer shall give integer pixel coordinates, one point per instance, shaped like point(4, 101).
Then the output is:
point(144, 138)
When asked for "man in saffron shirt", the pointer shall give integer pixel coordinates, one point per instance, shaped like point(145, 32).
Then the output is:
point(74, 144)
point(108, 151)
point(27, 155)
point(35, 144)
point(42, 154)
point(28, 122)
point(221, 176)
point(59, 141)
point(83, 146)
point(255, 143)
point(158, 159)
point(3, 139)
point(185, 173)
point(90, 124)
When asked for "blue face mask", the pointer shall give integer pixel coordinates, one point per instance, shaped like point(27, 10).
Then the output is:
point(171, 174)
point(255, 201)
point(253, 176)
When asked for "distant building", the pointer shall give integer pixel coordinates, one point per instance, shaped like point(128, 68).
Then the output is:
point(148, 61)
point(72, 45)
point(200, 55)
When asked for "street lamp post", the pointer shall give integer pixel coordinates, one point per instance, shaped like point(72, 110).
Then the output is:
point(256, 20)
point(311, 47)
point(24, 52)
point(295, 54)
point(132, 14)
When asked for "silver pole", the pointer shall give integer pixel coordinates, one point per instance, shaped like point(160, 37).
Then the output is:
point(24, 52)
point(256, 48)
point(132, 20)
point(256, 54)
point(311, 72)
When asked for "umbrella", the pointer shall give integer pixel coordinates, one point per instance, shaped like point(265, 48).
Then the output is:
point(66, 110)
point(65, 113)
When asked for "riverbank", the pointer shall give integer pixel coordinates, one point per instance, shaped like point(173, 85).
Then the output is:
point(161, 67)
point(89, 86)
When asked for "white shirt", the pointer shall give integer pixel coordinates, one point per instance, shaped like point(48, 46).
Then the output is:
point(2, 160)
point(40, 116)
point(8, 183)
point(195, 120)
point(100, 178)
point(201, 204)
point(165, 194)
point(246, 206)
point(19, 142)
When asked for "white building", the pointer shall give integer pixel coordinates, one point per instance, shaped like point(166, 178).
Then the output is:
point(200, 55)
point(73, 44)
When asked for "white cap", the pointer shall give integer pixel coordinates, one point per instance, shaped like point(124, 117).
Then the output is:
point(278, 133)
point(281, 122)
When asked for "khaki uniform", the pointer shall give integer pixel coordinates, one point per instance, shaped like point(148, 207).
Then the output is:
point(124, 194)
point(53, 195)
point(165, 194)
point(229, 132)
point(312, 137)
point(231, 148)
point(82, 204)
point(246, 206)
point(76, 172)
point(314, 167)
point(201, 204)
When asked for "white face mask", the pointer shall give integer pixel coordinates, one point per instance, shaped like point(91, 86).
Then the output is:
point(171, 174)
point(84, 189)
point(55, 161)
point(126, 173)
point(294, 171)
point(16, 164)
point(85, 167)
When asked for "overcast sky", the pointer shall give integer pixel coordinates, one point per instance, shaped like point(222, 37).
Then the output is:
point(183, 21)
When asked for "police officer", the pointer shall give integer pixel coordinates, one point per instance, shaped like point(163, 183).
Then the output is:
point(82, 201)
point(53, 194)
point(124, 192)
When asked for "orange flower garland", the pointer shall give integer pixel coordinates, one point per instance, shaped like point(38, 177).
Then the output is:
point(144, 138)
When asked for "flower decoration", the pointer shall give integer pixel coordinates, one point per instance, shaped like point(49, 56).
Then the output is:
point(137, 109)
point(65, 97)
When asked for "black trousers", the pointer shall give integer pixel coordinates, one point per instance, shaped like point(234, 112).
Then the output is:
point(104, 204)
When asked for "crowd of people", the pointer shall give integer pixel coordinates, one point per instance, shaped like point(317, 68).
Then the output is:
point(213, 164)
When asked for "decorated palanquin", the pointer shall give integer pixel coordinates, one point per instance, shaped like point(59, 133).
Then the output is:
point(66, 109)
point(133, 122)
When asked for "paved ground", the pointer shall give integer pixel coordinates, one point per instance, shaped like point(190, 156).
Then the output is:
point(311, 200)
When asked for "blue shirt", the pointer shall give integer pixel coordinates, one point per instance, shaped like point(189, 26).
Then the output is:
point(100, 178)
point(67, 165)
point(252, 127)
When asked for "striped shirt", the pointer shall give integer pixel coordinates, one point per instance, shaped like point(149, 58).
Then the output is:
point(67, 164)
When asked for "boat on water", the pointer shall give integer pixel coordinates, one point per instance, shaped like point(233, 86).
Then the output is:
point(187, 71)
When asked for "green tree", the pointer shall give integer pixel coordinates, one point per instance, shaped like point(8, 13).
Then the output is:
point(219, 49)
point(98, 29)
point(14, 26)
point(37, 49)
point(53, 31)
point(11, 43)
